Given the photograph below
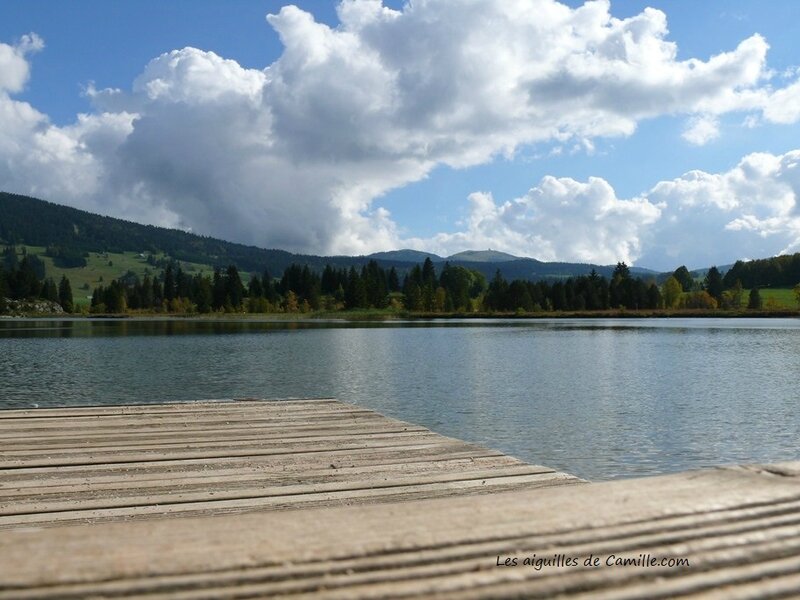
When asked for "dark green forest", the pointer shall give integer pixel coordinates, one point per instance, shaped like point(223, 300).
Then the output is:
point(778, 271)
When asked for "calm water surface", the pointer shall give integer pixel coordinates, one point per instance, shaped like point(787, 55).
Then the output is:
point(598, 398)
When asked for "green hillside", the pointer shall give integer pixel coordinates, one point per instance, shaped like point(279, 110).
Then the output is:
point(29, 221)
point(104, 267)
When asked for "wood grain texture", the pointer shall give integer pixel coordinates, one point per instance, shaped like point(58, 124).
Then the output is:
point(391, 511)
point(102, 463)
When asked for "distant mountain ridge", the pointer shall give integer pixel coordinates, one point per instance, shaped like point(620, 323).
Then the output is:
point(408, 255)
point(483, 256)
point(415, 256)
point(26, 220)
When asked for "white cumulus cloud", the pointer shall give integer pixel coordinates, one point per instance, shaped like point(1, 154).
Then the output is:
point(701, 130)
point(698, 219)
point(559, 219)
point(15, 69)
point(293, 155)
point(751, 210)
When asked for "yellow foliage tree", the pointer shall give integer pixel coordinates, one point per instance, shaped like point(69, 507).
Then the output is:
point(291, 302)
point(671, 292)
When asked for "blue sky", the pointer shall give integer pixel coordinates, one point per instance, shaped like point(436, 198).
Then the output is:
point(347, 135)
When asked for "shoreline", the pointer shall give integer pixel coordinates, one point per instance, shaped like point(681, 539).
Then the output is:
point(378, 316)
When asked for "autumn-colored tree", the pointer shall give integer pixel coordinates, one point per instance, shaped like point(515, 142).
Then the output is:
point(290, 303)
point(671, 292)
point(701, 299)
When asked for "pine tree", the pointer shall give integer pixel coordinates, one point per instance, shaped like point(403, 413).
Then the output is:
point(3, 291)
point(183, 284)
point(495, 298)
point(329, 281)
point(393, 282)
point(65, 295)
point(169, 283)
point(268, 287)
point(254, 289)
point(355, 295)
point(98, 297)
point(374, 279)
point(218, 291)
point(684, 278)
point(429, 274)
point(147, 293)
point(158, 295)
point(621, 271)
point(713, 283)
point(754, 302)
point(10, 260)
point(202, 294)
point(49, 290)
point(234, 288)
point(654, 299)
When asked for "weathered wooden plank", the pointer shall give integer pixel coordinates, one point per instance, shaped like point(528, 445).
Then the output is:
point(42, 488)
point(267, 427)
point(183, 407)
point(296, 577)
point(318, 498)
point(112, 463)
point(150, 441)
point(335, 458)
point(100, 423)
point(221, 450)
point(734, 526)
point(355, 492)
point(207, 491)
point(302, 444)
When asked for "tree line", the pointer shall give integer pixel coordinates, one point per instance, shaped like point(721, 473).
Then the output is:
point(453, 289)
point(423, 289)
point(299, 289)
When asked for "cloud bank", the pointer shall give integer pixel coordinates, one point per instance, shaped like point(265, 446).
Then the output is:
point(294, 155)
point(751, 211)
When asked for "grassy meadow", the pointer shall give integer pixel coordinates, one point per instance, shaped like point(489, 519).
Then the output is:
point(775, 297)
point(103, 267)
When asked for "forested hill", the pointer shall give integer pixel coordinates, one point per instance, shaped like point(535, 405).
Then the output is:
point(25, 220)
point(778, 271)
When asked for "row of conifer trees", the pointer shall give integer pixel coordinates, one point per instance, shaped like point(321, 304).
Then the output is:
point(453, 289)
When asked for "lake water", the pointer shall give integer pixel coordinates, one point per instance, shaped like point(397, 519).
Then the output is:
point(601, 399)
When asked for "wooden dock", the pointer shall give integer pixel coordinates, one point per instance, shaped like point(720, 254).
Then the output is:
point(317, 498)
